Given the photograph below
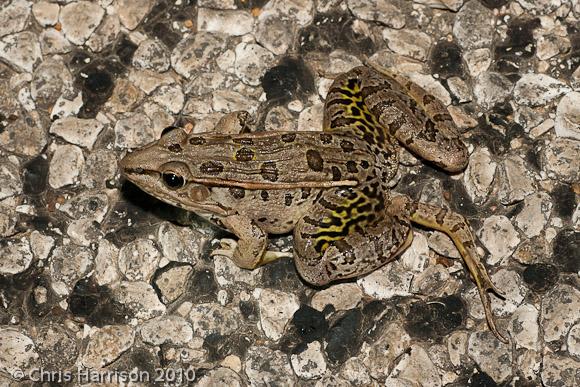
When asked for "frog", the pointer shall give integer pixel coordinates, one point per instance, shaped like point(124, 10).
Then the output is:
point(329, 188)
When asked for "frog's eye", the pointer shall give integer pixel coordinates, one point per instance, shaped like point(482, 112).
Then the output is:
point(172, 180)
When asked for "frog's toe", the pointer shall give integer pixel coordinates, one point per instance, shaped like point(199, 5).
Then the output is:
point(227, 247)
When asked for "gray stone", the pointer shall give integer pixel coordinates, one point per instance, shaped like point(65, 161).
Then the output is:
point(17, 352)
point(492, 356)
point(474, 26)
point(105, 34)
point(559, 370)
point(100, 167)
point(197, 53)
point(217, 4)
point(151, 54)
point(53, 42)
point(355, 372)
point(453, 5)
point(68, 264)
point(417, 367)
point(173, 330)
point(386, 12)
point(172, 282)
point(310, 363)
point(411, 43)
point(559, 312)
point(13, 16)
point(40, 245)
point(229, 22)
point(567, 122)
point(8, 217)
point(477, 61)
point(264, 366)
point(431, 86)
point(480, 175)
point(78, 131)
point(443, 245)
point(132, 12)
point(126, 97)
point(84, 232)
point(534, 216)
point(273, 32)
point(226, 101)
point(573, 341)
point(106, 272)
point(381, 357)
point(45, 13)
point(220, 377)
point(139, 298)
point(560, 159)
point(180, 244)
point(252, 61)
point(389, 281)
point(21, 50)
point(67, 106)
point(106, 344)
point(170, 97)
point(276, 310)
point(134, 131)
point(10, 183)
point(65, 166)
point(228, 274)
point(516, 182)
point(310, 118)
point(499, 237)
point(79, 19)
point(279, 118)
point(538, 89)
point(301, 11)
point(491, 88)
point(340, 296)
point(16, 256)
point(459, 89)
point(524, 328)
point(139, 259)
point(213, 319)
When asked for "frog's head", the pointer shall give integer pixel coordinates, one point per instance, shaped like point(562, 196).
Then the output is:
point(160, 170)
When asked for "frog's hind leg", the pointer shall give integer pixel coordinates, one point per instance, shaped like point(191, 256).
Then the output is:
point(457, 228)
point(347, 234)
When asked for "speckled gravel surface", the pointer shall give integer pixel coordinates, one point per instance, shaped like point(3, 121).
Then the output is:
point(98, 279)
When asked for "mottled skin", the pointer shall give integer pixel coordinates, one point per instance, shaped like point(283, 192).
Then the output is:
point(329, 187)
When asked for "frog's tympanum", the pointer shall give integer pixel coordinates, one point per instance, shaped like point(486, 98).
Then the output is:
point(330, 187)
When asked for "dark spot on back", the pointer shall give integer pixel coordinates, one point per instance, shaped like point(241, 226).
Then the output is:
point(264, 195)
point(347, 146)
point(314, 160)
point(336, 175)
point(355, 111)
point(288, 199)
point(269, 171)
point(211, 168)
point(306, 193)
point(288, 137)
point(364, 164)
point(245, 154)
point(197, 140)
point(351, 166)
point(325, 138)
point(237, 193)
point(176, 148)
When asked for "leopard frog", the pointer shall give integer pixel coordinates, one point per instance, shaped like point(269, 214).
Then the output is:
point(330, 188)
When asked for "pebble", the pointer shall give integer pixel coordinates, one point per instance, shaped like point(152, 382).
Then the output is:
point(78, 131)
point(68, 264)
point(538, 89)
point(310, 119)
point(412, 43)
point(228, 274)
point(180, 244)
point(106, 344)
point(151, 54)
point(274, 32)
point(300, 11)
point(169, 97)
point(213, 319)
point(310, 363)
point(524, 328)
point(53, 42)
point(172, 282)
point(416, 257)
point(126, 97)
point(355, 372)
point(138, 260)
point(499, 237)
point(79, 19)
point(280, 118)
point(105, 34)
point(45, 13)
point(268, 367)
point(491, 88)
point(252, 61)
point(340, 296)
point(229, 22)
point(460, 89)
point(559, 370)
point(220, 377)
point(10, 182)
point(132, 12)
point(516, 182)
point(534, 216)
point(65, 165)
point(66, 106)
point(13, 16)
point(417, 367)
point(197, 52)
point(41, 245)
point(560, 159)
point(479, 175)
point(492, 356)
point(382, 11)
point(474, 16)
point(133, 131)
point(276, 310)
point(573, 341)
point(139, 298)
point(559, 311)
point(16, 256)
point(100, 167)
point(431, 86)
point(174, 330)
point(17, 352)
point(567, 122)
point(381, 357)
point(106, 272)
point(387, 282)
point(226, 101)
point(21, 50)
point(477, 61)
point(34, 125)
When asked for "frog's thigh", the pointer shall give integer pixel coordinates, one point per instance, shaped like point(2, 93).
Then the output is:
point(234, 123)
point(325, 253)
point(252, 241)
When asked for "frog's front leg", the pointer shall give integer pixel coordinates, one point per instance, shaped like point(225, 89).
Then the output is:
point(234, 123)
point(457, 228)
point(347, 234)
point(250, 250)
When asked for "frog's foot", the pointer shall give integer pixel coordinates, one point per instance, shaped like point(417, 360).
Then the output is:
point(456, 227)
point(228, 247)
